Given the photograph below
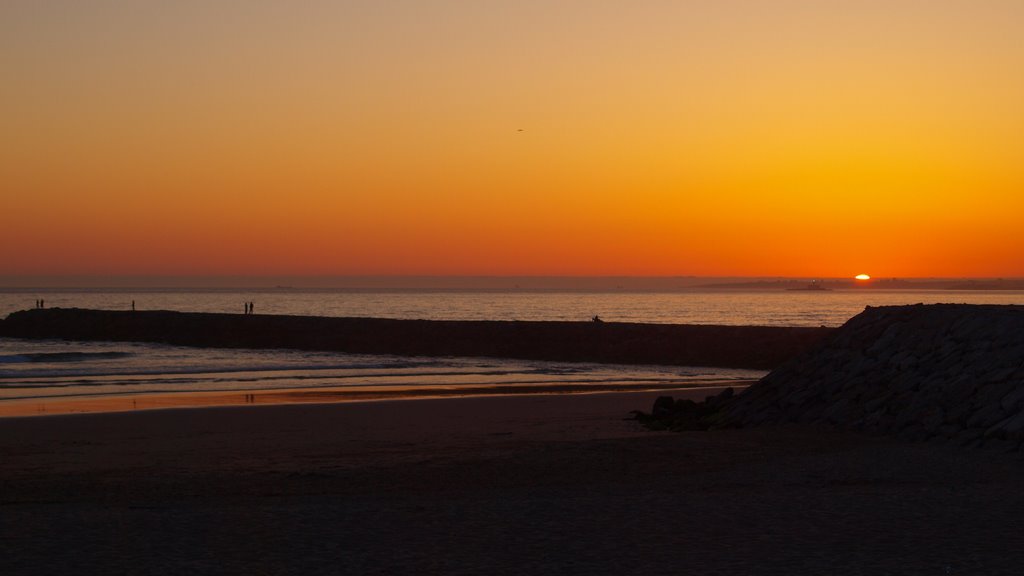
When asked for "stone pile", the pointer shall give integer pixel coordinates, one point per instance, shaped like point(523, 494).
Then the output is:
point(950, 371)
point(684, 415)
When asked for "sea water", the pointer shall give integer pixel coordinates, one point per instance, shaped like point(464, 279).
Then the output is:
point(50, 368)
point(753, 308)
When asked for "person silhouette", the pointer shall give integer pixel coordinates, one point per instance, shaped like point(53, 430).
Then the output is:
point(251, 306)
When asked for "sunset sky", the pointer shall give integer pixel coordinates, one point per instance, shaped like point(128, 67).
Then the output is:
point(720, 137)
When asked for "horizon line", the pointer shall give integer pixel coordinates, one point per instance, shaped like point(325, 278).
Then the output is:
point(439, 282)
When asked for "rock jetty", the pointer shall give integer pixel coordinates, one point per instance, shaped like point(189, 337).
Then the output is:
point(758, 347)
point(949, 371)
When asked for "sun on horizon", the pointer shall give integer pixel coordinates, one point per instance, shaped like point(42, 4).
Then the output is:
point(862, 277)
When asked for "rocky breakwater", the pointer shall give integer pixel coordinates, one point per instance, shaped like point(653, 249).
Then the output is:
point(937, 371)
point(611, 342)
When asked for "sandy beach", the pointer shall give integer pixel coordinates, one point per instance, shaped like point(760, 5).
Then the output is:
point(534, 484)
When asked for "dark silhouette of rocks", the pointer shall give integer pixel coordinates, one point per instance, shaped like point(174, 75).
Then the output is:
point(686, 415)
point(610, 342)
point(944, 371)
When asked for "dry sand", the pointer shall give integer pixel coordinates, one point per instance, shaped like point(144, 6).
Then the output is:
point(553, 484)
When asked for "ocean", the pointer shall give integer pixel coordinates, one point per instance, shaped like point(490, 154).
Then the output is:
point(49, 369)
point(763, 308)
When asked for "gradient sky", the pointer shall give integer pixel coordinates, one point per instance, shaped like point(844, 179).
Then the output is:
point(719, 137)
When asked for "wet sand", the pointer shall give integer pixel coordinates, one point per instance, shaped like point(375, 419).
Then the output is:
point(48, 406)
point(494, 485)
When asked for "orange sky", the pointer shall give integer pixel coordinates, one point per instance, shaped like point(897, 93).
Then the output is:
point(718, 137)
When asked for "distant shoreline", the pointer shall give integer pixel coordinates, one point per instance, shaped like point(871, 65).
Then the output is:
point(758, 347)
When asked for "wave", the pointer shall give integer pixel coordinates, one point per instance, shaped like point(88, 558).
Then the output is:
point(61, 380)
point(212, 368)
point(231, 371)
point(61, 357)
point(427, 379)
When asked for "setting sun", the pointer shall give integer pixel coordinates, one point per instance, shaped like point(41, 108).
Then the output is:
point(862, 277)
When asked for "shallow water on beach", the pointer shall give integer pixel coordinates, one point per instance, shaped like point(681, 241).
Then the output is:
point(51, 368)
point(763, 308)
